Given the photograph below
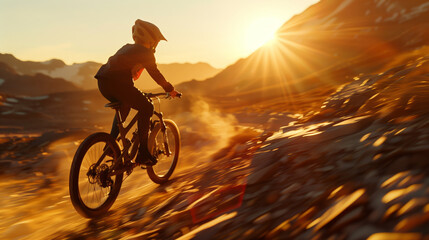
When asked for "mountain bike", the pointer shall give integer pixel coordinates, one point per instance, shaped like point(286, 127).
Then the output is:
point(100, 161)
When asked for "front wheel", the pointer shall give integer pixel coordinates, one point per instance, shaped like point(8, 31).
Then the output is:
point(165, 146)
point(92, 190)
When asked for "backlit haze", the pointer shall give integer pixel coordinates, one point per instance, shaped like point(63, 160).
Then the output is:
point(321, 134)
point(217, 32)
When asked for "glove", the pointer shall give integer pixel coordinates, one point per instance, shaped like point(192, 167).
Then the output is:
point(175, 93)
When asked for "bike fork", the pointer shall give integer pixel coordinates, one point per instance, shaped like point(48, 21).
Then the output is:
point(166, 145)
point(164, 133)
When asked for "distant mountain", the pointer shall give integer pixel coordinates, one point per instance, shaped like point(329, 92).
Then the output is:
point(35, 85)
point(82, 74)
point(326, 45)
point(30, 67)
point(177, 73)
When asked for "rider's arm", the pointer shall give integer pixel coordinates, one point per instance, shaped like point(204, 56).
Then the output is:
point(153, 71)
point(146, 58)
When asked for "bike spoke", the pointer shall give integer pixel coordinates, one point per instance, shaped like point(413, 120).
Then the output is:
point(164, 161)
point(89, 183)
point(92, 190)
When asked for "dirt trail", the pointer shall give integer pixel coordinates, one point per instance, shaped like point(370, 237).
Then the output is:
point(36, 204)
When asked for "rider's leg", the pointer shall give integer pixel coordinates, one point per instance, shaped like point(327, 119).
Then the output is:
point(135, 99)
point(143, 126)
point(145, 111)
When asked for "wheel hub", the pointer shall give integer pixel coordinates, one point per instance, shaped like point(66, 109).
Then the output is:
point(92, 174)
point(103, 178)
point(99, 175)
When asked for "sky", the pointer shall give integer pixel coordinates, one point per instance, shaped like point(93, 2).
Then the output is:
point(218, 32)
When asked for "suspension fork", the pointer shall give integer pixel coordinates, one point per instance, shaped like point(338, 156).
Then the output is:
point(164, 134)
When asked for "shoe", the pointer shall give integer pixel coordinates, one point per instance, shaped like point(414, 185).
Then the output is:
point(145, 158)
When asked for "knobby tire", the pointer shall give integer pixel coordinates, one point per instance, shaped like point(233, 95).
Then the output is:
point(75, 194)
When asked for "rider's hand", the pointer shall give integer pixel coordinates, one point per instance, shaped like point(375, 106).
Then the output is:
point(174, 94)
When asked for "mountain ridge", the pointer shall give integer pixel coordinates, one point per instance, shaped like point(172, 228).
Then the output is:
point(82, 74)
point(35, 85)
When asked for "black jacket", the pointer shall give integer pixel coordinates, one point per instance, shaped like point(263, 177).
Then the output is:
point(120, 65)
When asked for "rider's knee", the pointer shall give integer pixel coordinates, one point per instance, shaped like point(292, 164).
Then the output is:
point(145, 109)
point(148, 107)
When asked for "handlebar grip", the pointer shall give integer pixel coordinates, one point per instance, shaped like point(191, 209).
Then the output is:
point(166, 94)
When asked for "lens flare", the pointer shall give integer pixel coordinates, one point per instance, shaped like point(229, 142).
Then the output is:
point(261, 31)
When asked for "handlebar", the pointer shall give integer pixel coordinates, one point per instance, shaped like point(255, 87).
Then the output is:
point(166, 94)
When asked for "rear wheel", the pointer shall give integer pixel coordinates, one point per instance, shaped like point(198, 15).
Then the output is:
point(92, 191)
point(165, 146)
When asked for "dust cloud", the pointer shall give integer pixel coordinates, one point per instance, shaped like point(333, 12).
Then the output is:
point(204, 130)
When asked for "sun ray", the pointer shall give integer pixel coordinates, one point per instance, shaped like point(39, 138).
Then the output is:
point(297, 60)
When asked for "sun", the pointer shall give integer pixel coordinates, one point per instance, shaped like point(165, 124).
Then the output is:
point(261, 31)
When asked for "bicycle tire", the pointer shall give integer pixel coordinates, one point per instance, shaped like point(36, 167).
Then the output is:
point(173, 132)
point(94, 141)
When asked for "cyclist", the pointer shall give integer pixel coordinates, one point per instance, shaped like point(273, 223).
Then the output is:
point(115, 81)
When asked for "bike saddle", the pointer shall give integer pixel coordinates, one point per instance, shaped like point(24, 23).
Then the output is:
point(114, 105)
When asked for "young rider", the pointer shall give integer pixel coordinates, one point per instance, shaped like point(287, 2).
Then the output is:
point(115, 81)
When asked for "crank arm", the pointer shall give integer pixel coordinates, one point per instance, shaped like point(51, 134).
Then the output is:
point(122, 170)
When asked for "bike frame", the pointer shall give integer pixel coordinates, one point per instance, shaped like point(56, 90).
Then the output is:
point(125, 158)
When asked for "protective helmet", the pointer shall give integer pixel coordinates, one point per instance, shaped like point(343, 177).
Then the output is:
point(146, 32)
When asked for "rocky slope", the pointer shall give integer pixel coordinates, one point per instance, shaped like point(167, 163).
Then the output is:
point(76, 109)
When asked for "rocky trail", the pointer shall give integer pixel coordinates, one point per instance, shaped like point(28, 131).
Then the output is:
point(356, 169)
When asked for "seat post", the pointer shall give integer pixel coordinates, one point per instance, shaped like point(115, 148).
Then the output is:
point(117, 107)
point(118, 115)
point(120, 126)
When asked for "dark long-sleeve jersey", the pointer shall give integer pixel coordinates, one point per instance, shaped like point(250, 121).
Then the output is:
point(120, 65)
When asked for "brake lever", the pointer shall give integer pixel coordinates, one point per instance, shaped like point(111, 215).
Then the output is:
point(168, 95)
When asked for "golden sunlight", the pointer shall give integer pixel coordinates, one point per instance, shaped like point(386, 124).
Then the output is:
point(261, 31)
